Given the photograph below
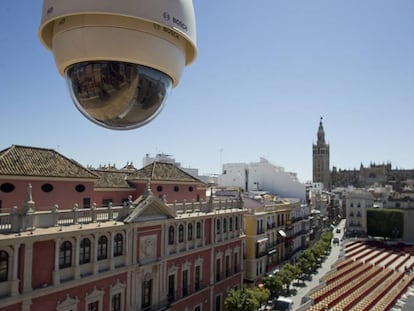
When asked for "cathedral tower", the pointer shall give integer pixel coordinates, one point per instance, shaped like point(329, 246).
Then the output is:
point(321, 159)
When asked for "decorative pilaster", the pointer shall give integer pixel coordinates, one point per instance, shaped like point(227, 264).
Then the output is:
point(95, 264)
point(28, 263)
point(111, 251)
point(15, 280)
point(56, 272)
point(77, 248)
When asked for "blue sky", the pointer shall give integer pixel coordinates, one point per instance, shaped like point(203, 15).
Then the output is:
point(266, 72)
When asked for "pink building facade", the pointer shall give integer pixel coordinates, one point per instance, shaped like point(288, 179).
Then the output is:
point(75, 239)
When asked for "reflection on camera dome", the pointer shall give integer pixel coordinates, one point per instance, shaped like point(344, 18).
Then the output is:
point(118, 95)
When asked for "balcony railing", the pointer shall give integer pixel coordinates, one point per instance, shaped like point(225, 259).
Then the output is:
point(18, 219)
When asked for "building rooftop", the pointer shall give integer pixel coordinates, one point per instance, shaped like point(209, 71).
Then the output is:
point(40, 162)
point(161, 171)
point(112, 178)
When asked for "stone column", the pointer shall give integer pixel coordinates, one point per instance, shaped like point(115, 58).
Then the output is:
point(15, 266)
point(134, 246)
point(111, 251)
point(28, 264)
point(77, 249)
point(56, 273)
point(95, 265)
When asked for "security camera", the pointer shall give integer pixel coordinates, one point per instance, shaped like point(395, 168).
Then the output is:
point(120, 58)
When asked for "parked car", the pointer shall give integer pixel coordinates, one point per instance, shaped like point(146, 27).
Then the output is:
point(338, 230)
point(283, 304)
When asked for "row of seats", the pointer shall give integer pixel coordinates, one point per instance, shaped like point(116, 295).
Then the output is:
point(377, 293)
point(389, 299)
point(368, 279)
point(353, 298)
point(355, 251)
point(364, 253)
point(373, 255)
point(341, 272)
point(332, 287)
point(346, 288)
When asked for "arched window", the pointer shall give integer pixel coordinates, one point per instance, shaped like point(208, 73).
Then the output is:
point(65, 255)
point(224, 225)
point(4, 266)
point(118, 245)
point(231, 224)
point(102, 247)
point(198, 230)
point(85, 251)
point(190, 232)
point(180, 233)
point(218, 229)
point(171, 235)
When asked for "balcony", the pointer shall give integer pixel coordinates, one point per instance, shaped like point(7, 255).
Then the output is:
point(260, 231)
point(177, 294)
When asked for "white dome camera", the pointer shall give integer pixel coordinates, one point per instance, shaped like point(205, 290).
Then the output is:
point(120, 58)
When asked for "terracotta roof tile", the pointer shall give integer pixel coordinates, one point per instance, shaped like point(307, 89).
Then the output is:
point(40, 162)
point(113, 178)
point(162, 171)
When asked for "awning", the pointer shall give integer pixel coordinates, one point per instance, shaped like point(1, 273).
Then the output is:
point(282, 233)
point(262, 240)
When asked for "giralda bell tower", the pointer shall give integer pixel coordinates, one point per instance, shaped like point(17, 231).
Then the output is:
point(321, 171)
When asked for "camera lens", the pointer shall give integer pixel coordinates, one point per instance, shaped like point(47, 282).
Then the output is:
point(117, 95)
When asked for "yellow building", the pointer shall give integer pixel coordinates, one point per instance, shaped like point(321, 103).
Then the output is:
point(266, 223)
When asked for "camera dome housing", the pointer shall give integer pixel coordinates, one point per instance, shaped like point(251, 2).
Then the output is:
point(120, 61)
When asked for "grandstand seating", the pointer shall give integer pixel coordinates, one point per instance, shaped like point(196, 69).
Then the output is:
point(371, 277)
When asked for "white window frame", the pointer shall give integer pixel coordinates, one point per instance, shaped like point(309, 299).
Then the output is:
point(95, 295)
point(118, 288)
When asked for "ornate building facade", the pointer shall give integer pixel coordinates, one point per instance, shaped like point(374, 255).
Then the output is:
point(78, 239)
point(320, 157)
point(372, 175)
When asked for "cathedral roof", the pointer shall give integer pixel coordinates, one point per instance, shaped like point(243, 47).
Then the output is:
point(40, 162)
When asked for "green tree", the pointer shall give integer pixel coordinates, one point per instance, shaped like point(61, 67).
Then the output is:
point(310, 259)
point(274, 284)
point(286, 276)
point(386, 223)
point(327, 237)
point(241, 300)
point(304, 265)
point(294, 269)
point(261, 294)
point(317, 251)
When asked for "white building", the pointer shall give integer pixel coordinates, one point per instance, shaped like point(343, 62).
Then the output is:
point(300, 227)
point(357, 203)
point(262, 176)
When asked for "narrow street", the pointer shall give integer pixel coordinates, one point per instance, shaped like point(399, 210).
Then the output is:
point(299, 290)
